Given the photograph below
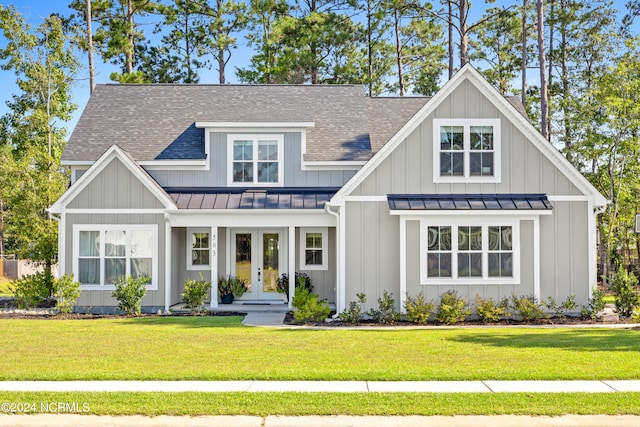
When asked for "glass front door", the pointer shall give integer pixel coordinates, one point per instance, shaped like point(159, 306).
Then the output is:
point(257, 257)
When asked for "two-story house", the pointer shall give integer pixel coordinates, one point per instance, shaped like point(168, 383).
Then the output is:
point(409, 195)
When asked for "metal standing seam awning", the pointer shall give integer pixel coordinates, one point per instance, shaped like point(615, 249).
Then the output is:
point(479, 202)
point(250, 198)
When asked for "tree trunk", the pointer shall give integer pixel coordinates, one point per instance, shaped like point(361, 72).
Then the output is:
point(399, 52)
point(92, 81)
point(523, 96)
point(464, 42)
point(369, 49)
point(221, 66)
point(544, 104)
point(450, 31)
point(130, 36)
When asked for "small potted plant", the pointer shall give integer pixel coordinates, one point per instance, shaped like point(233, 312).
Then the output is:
point(231, 287)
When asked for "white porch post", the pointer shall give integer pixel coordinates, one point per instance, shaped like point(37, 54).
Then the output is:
point(536, 258)
point(167, 263)
point(291, 267)
point(214, 267)
point(403, 263)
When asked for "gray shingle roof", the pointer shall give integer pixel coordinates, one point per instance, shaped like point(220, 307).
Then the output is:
point(157, 121)
point(469, 202)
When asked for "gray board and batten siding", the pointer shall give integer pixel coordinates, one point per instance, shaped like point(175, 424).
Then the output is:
point(116, 188)
point(372, 244)
point(216, 176)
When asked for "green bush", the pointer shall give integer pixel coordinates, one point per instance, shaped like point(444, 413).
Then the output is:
point(560, 310)
point(596, 304)
point(129, 293)
point(195, 292)
point(308, 308)
point(491, 311)
point(232, 285)
point(624, 286)
point(635, 316)
point(386, 312)
point(452, 308)
point(30, 290)
point(282, 285)
point(528, 307)
point(418, 309)
point(354, 313)
point(66, 291)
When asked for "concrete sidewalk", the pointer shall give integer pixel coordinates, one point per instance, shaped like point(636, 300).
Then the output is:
point(67, 420)
point(488, 386)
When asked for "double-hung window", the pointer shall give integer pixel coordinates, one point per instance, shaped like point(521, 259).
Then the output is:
point(468, 252)
point(255, 159)
point(466, 150)
point(106, 253)
point(199, 249)
point(313, 249)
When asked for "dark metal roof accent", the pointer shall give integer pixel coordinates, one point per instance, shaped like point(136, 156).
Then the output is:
point(250, 198)
point(469, 202)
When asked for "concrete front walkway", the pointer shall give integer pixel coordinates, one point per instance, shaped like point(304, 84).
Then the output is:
point(327, 386)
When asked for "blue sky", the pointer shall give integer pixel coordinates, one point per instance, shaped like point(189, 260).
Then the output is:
point(35, 10)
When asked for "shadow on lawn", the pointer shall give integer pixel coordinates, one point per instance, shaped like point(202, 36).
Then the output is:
point(584, 340)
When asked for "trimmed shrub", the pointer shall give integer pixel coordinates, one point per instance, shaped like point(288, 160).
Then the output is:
point(129, 293)
point(66, 291)
point(418, 309)
point(596, 304)
point(452, 308)
point(353, 314)
point(528, 307)
point(308, 308)
point(624, 286)
point(386, 312)
point(195, 292)
point(491, 311)
point(30, 290)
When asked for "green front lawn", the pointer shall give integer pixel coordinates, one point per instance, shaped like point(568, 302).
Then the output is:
point(219, 348)
point(262, 404)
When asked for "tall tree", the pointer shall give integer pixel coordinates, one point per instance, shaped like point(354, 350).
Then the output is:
point(544, 103)
point(92, 78)
point(378, 50)
point(32, 136)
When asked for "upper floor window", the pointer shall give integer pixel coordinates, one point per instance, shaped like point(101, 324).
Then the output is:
point(255, 159)
point(466, 150)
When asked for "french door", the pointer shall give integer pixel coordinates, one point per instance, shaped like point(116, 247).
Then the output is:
point(258, 257)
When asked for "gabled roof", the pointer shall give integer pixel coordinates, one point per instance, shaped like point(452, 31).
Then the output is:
point(157, 121)
point(510, 107)
point(103, 161)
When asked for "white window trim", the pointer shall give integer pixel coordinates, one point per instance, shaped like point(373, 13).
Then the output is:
point(303, 246)
point(190, 265)
point(255, 137)
point(454, 223)
point(467, 123)
point(77, 228)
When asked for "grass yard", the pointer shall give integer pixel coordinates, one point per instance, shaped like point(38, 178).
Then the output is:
point(219, 348)
point(4, 287)
point(262, 404)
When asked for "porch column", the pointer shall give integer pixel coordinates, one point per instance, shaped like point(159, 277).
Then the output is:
point(292, 262)
point(403, 263)
point(214, 267)
point(167, 263)
point(536, 257)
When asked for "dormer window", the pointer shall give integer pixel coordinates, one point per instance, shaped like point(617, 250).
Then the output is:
point(255, 159)
point(466, 150)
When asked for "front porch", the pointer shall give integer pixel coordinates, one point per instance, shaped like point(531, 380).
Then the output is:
point(256, 248)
